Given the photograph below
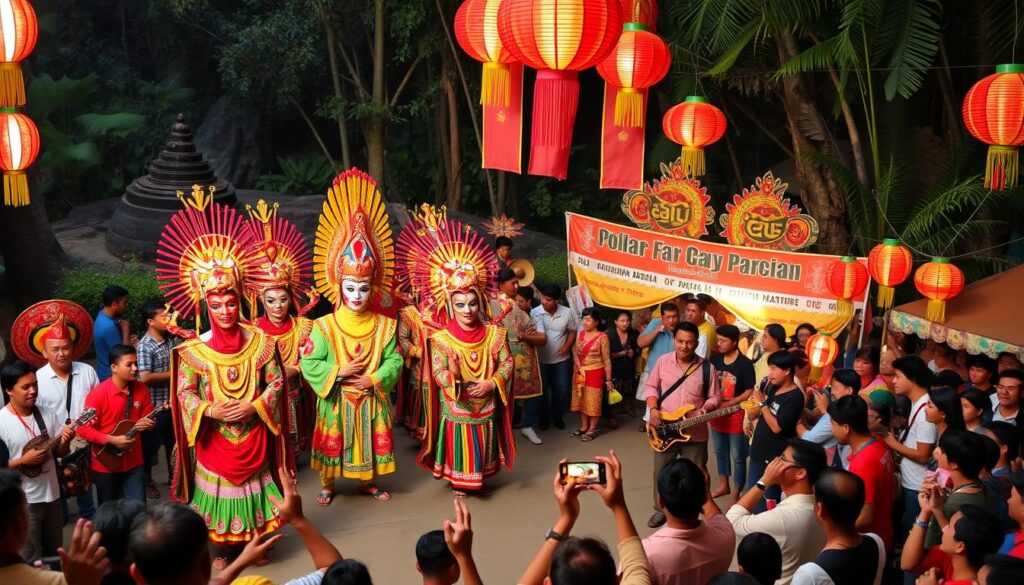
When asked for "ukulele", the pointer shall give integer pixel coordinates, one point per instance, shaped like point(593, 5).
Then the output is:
point(43, 442)
point(670, 431)
point(112, 457)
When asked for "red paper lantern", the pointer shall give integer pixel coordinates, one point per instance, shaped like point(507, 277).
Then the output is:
point(994, 114)
point(476, 29)
point(19, 30)
point(638, 61)
point(846, 279)
point(642, 11)
point(694, 124)
point(19, 147)
point(889, 264)
point(822, 350)
point(939, 281)
point(558, 39)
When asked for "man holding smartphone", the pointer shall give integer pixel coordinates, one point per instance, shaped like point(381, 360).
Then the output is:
point(677, 379)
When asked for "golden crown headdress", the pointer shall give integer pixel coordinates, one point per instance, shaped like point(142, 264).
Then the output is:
point(354, 239)
point(503, 226)
point(202, 252)
point(278, 256)
point(415, 241)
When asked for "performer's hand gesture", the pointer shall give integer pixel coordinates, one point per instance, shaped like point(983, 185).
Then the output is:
point(482, 388)
point(364, 383)
point(350, 369)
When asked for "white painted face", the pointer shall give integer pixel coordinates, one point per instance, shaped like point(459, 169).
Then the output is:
point(276, 302)
point(467, 309)
point(356, 294)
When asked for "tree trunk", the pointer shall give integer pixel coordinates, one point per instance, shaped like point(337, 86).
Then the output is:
point(332, 59)
point(821, 195)
point(454, 167)
point(30, 251)
point(444, 147)
point(375, 127)
point(502, 191)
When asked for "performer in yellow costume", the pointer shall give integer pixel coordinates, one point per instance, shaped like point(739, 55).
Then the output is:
point(229, 407)
point(470, 432)
point(280, 265)
point(350, 359)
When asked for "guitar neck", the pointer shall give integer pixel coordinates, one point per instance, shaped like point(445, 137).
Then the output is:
point(135, 430)
point(689, 422)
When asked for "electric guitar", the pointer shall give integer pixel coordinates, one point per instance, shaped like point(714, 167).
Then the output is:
point(43, 442)
point(670, 431)
point(112, 457)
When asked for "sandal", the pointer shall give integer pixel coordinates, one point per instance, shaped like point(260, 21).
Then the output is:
point(377, 493)
point(589, 436)
point(324, 498)
point(152, 492)
point(578, 433)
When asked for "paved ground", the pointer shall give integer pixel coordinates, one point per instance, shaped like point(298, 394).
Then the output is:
point(508, 527)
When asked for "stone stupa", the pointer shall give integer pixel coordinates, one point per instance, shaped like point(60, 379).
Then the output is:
point(149, 202)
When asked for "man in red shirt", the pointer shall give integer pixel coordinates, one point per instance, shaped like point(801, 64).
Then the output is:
point(871, 460)
point(971, 534)
point(118, 398)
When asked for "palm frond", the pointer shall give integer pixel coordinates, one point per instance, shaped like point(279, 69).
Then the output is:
point(816, 58)
point(910, 34)
point(118, 124)
point(859, 19)
point(729, 56)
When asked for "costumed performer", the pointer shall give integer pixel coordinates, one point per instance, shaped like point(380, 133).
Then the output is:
point(350, 358)
point(469, 436)
point(230, 408)
point(280, 264)
point(524, 335)
point(416, 320)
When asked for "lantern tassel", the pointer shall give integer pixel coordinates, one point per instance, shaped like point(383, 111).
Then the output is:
point(555, 99)
point(692, 161)
point(15, 189)
point(936, 312)
point(12, 85)
point(815, 374)
point(495, 90)
point(629, 108)
point(1001, 167)
point(885, 296)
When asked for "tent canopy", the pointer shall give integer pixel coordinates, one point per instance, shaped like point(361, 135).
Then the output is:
point(985, 318)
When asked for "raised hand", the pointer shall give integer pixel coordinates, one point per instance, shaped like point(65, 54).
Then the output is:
point(611, 492)
point(291, 508)
point(567, 497)
point(87, 562)
point(458, 535)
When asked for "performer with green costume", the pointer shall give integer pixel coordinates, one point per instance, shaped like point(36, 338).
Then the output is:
point(349, 359)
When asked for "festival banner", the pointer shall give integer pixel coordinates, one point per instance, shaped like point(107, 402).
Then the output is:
point(763, 217)
point(676, 204)
point(629, 268)
point(503, 128)
point(622, 148)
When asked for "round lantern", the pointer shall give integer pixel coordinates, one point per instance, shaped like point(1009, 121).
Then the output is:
point(642, 11)
point(822, 350)
point(694, 124)
point(19, 147)
point(476, 29)
point(889, 264)
point(20, 29)
point(846, 279)
point(558, 39)
point(638, 61)
point(939, 281)
point(994, 114)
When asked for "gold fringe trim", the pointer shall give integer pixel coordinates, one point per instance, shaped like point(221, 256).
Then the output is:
point(12, 85)
point(936, 312)
point(1001, 167)
point(885, 296)
point(497, 85)
point(629, 108)
point(15, 189)
point(692, 161)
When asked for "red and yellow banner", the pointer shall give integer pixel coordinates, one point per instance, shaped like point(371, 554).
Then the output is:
point(622, 148)
point(503, 128)
point(630, 268)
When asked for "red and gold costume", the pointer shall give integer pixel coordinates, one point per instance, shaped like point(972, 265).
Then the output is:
point(280, 259)
point(469, 435)
point(225, 470)
point(593, 369)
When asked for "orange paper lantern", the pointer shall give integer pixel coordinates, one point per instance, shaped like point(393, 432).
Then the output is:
point(639, 60)
point(19, 30)
point(939, 281)
point(558, 39)
point(694, 124)
point(822, 350)
point(889, 264)
point(476, 29)
point(19, 147)
point(846, 279)
point(994, 114)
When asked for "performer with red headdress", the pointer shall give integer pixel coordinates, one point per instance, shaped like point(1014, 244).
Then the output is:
point(469, 436)
point(279, 272)
point(350, 359)
point(230, 407)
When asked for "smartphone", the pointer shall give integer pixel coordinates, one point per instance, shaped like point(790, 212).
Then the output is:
point(51, 563)
point(942, 478)
point(582, 473)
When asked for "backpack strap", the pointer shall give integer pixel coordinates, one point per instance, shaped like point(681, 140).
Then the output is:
point(705, 370)
point(39, 421)
point(67, 399)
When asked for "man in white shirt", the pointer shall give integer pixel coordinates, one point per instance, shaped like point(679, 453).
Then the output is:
point(792, 522)
point(912, 379)
point(560, 325)
point(20, 422)
point(60, 373)
point(1006, 398)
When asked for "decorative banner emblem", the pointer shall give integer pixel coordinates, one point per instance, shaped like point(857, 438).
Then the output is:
point(764, 218)
point(676, 204)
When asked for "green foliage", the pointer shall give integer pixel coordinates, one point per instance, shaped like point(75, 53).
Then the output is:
point(84, 285)
point(552, 269)
point(299, 176)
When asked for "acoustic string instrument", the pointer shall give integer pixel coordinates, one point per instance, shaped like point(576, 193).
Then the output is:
point(43, 442)
point(670, 431)
point(112, 457)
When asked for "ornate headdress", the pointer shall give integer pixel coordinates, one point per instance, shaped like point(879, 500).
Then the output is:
point(278, 256)
point(54, 319)
point(449, 260)
point(202, 252)
point(503, 225)
point(354, 240)
point(415, 241)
